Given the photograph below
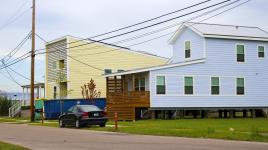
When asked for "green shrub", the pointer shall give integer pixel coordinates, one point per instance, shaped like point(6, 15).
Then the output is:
point(25, 107)
point(4, 105)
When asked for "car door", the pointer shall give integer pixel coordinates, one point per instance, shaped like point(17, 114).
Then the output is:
point(68, 117)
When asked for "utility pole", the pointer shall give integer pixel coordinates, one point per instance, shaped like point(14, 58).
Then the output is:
point(32, 62)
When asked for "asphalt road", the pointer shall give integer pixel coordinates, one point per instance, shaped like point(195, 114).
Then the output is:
point(49, 138)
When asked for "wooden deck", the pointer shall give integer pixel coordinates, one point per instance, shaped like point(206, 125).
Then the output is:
point(124, 102)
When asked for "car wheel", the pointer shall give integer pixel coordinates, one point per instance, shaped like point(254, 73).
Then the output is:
point(61, 123)
point(77, 123)
point(102, 125)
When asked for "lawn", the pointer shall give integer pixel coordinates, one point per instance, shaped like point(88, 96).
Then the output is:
point(6, 146)
point(246, 129)
point(232, 129)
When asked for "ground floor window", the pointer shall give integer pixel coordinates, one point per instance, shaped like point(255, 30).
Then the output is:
point(188, 85)
point(215, 85)
point(160, 85)
point(240, 86)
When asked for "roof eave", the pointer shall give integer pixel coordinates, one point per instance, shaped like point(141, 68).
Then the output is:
point(157, 67)
point(235, 37)
point(180, 29)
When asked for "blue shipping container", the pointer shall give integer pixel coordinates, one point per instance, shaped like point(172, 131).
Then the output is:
point(54, 108)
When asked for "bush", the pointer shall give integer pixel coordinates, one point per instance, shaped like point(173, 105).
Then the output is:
point(25, 107)
point(4, 105)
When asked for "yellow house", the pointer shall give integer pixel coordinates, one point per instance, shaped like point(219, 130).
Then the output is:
point(72, 62)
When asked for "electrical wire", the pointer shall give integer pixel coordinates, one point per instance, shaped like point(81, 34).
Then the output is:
point(148, 33)
point(149, 25)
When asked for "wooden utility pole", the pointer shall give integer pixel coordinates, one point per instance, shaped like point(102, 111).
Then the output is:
point(32, 62)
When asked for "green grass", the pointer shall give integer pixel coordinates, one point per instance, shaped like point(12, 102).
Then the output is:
point(231, 129)
point(248, 129)
point(6, 146)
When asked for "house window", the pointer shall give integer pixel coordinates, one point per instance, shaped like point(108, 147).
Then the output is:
point(261, 51)
point(55, 92)
point(187, 46)
point(240, 86)
point(160, 85)
point(240, 53)
point(215, 85)
point(107, 71)
point(140, 84)
point(61, 64)
point(188, 85)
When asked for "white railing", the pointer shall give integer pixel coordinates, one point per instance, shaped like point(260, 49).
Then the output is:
point(15, 109)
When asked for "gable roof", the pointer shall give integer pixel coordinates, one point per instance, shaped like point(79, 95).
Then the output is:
point(223, 31)
point(139, 70)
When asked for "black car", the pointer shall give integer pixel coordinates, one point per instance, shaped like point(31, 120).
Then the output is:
point(83, 115)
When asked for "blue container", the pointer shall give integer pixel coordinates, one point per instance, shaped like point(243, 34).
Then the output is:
point(54, 108)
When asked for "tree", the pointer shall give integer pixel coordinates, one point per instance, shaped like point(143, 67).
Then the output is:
point(5, 104)
point(89, 90)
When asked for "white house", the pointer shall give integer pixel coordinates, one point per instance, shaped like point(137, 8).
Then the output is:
point(214, 67)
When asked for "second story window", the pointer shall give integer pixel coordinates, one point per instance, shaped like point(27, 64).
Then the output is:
point(188, 85)
point(107, 71)
point(240, 86)
point(240, 53)
point(215, 85)
point(61, 64)
point(261, 51)
point(160, 85)
point(187, 48)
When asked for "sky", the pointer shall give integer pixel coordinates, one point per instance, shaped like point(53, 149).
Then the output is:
point(86, 18)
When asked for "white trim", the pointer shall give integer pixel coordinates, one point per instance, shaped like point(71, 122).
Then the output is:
point(183, 26)
point(235, 37)
point(236, 44)
point(179, 31)
point(264, 48)
point(156, 75)
point(158, 67)
point(184, 85)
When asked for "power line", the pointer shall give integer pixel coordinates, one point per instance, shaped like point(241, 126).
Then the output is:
point(16, 49)
point(149, 25)
point(136, 24)
point(15, 19)
point(17, 60)
point(155, 24)
point(149, 33)
point(61, 50)
point(11, 77)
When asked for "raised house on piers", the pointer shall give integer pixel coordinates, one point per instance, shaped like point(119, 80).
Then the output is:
point(215, 69)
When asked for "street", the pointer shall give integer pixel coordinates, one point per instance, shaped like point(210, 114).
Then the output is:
point(49, 138)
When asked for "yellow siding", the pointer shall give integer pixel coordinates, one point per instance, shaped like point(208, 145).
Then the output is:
point(108, 57)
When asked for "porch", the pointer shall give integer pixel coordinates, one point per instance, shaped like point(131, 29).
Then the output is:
point(126, 94)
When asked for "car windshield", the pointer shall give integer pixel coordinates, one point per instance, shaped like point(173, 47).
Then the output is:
point(87, 108)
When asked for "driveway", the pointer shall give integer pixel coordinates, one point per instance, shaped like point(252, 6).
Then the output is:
point(49, 138)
